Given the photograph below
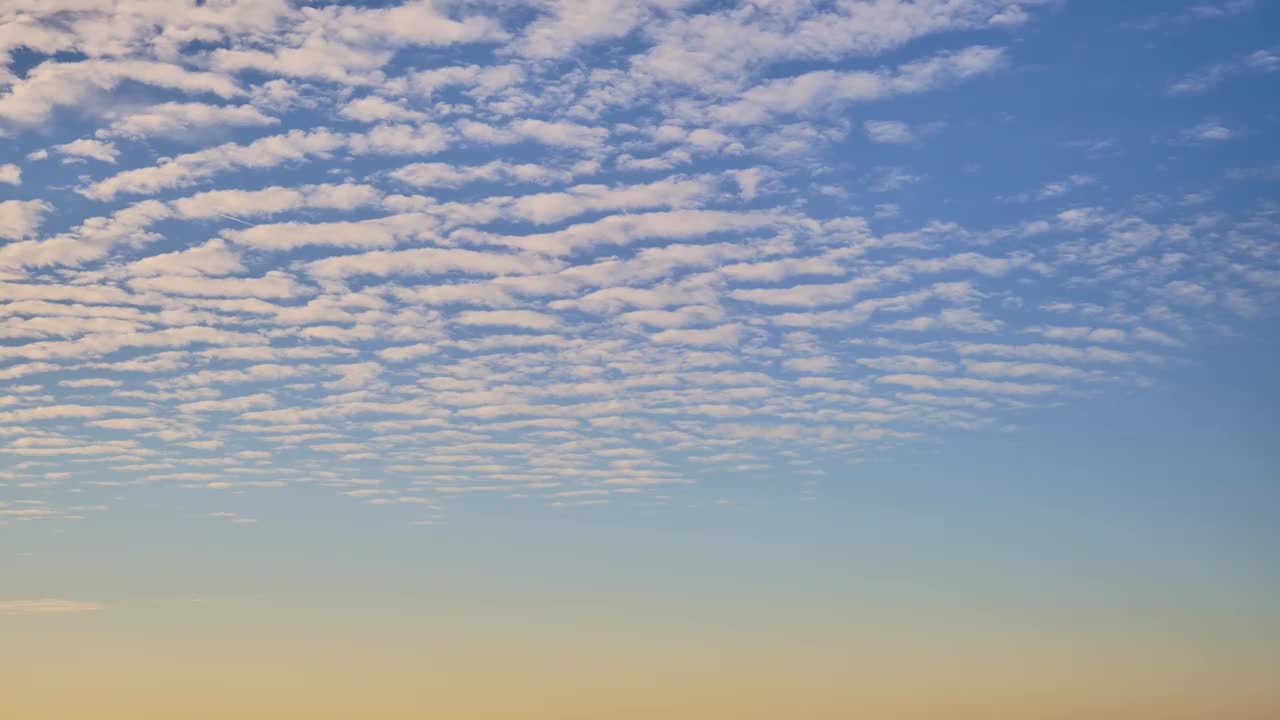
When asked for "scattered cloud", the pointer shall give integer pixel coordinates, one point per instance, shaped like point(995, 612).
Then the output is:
point(889, 131)
point(92, 149)
point(406, 253)
point(1207, 78)
point(1208, 132)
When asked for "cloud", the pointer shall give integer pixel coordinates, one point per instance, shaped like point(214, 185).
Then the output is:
point(808, 295)
point(907, 364)
point(889, 131)
point(93, 149)
point(627, 228)
point(580, 249)
point(1084, 334)
point(894, 178)
point(373, 233)
point(176, 119)
point(558, 133)
point(233, 518)
point(1208, 131)
point(373, 109)
point(930, 382)
point(275, 284)
point(47, 606)
point(544, 208)
point(186, 170)
point(574, 23)
point(51, 84)
point(420, 139)
point(1022, 370)
point(237, 404)
point(1056, 188)
point(274, 200)
point(61, 412)
point(961, 319)
point(1225, 8)
point(426, 261)
point(527, 319)
point(821, 89)
point(449, 176)
point(725, 335)
point(714, 51)
point(366, 40)
point(21, 218)
point(482, 81)
point(211, 258)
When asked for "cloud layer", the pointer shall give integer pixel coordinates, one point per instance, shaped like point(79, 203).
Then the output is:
point(593, 253)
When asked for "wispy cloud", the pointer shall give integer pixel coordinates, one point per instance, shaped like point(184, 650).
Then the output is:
point(1205, 79)
point(47, 606)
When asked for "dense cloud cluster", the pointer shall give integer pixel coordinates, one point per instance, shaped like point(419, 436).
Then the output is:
point(570, 252)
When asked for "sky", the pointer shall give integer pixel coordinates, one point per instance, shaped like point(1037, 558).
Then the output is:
point(636, 359)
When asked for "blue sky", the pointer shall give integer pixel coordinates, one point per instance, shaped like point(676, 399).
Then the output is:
point(602, 256)
point(978, 285)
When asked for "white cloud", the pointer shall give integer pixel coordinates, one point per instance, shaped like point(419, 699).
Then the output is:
point(625, 229)
point(1223, 8)
point(807, 295)
point(349, 44)
point(546, 208)
point(889, 131)
point(177, 119)
point(445, 175)
point(482, 81)
point(421, 139)
point(372, 109)
point(274, 200)
point(573, 23)
point(1056, 188)
point(92, 149)
point(930, 382)
point(1208, 131)
point(561, 133)
point(725, 335)
point(230, 405)
point(821, 89)
point(274, 284)
point(527, 319)
point(186, 170)
point(998, 368)
point(713, 51)
point(894, 178)
point(380, 232)
point(1083, 334)
point(583, 249)
point(961, 319)
point(21, 218)
point(211, 258)
point(907, 364)
point(51, 84)
point(427, 261)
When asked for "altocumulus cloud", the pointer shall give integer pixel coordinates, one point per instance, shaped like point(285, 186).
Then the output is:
point(586, 253)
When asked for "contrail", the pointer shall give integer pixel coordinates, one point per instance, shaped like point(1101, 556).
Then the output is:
point(235, 218)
